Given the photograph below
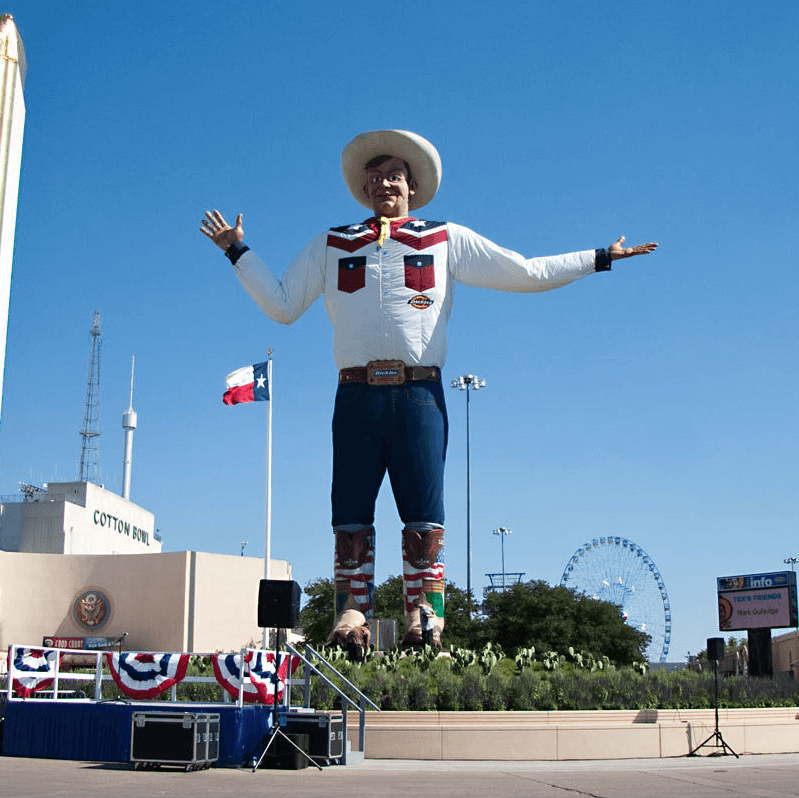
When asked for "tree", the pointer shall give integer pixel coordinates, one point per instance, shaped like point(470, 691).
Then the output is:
point(556, 618)
point(459, 613)
point(389, 604)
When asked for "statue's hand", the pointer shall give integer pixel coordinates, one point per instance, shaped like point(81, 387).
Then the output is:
point(617, 250)
point(219, 231)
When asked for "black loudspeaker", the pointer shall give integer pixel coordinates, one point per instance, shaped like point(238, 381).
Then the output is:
point(715, 648)
point(285, 756)
point(278, 604)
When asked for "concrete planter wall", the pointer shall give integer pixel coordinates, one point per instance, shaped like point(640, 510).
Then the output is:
point(623, 734)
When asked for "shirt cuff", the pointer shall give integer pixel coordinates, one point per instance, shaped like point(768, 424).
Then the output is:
point(602, 260)
point(237, 249)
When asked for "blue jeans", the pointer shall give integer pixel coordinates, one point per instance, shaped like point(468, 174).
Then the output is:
point(401, 429)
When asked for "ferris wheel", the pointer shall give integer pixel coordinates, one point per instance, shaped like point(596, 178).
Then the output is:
point(617, 570)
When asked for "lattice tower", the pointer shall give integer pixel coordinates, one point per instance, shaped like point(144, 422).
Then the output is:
point(90, 432)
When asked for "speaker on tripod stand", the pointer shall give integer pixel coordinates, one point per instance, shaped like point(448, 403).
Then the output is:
point(715, 652)
point(278, 604)
point(279, 609)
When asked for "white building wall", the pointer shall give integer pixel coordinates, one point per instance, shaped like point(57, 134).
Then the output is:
point(10, 526)
point(77, 518)
point(43, 528)
point(176, 601)
point(110, 525)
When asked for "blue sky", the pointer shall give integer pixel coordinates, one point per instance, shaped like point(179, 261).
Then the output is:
point(657, 402)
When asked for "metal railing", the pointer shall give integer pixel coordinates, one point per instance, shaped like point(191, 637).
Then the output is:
point(499, 583)
point(362, 701)
point(99, 674)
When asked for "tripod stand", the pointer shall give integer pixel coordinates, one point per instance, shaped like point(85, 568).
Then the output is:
point(720, 744)
point(276, 731)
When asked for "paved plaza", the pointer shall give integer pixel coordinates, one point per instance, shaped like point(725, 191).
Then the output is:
point(763, 776)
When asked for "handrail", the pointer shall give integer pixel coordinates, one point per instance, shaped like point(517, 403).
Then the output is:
point(363, 699)
point(343, 678)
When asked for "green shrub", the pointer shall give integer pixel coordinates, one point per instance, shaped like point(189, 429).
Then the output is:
point(525, 690)
point(472, 688)
point(396, 696)
point(497, 691)
point(421, 696)
point(446, 684)
point(487, 680)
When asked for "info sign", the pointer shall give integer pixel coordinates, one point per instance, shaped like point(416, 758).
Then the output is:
point(757, 601)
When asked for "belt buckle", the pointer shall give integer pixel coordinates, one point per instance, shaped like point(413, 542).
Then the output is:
point(385, 372)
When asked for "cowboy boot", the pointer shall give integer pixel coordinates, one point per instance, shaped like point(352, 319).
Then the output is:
point(354, 590)
point(423, 585)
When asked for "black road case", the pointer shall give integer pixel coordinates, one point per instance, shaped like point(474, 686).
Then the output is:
point(325, 732)
point(187, 739)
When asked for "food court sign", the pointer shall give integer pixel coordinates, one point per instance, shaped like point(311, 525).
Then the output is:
point(757, 601)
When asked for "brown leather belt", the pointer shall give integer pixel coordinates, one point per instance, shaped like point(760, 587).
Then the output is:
point(388, 372)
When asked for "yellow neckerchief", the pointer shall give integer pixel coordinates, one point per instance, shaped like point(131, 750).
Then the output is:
point(385, 228)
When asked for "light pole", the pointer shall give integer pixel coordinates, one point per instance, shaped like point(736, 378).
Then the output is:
point(502, 531)
point(468, 383)
point(792, 562)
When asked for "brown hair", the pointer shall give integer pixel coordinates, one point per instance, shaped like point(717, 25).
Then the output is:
point(378, 159)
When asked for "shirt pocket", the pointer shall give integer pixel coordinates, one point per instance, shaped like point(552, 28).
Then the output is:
point(351, 274)
point(420, 272)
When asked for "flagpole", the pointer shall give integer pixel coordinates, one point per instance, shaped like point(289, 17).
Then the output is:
point(268, 500)
point(268, 507)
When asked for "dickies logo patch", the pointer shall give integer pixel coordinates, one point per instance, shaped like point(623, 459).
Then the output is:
point(420, 302)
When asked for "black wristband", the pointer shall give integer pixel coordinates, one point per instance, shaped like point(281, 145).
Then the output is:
point(235, 251)
point(602, 260)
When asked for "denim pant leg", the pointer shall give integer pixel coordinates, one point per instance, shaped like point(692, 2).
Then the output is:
point(402, 428)
point(416, 452)
point(358, 466)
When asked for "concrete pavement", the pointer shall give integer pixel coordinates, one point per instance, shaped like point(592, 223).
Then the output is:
point(763, 776)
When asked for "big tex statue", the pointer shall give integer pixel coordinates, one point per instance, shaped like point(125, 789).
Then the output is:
point(388, 286)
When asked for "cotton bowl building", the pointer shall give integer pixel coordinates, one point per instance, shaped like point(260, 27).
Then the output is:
point(81, 567)
point(76, 518)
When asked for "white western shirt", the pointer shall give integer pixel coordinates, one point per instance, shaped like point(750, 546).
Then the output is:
point(392, 302)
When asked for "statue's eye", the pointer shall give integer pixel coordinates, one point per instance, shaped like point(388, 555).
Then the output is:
point(394, 178)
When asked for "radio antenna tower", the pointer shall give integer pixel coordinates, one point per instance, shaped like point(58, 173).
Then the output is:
point(90, 432)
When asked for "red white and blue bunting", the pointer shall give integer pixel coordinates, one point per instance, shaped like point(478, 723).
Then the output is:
point(261, 667)
point(227, 669)
point(141, 675)
point(263, 674)
point(33, 669)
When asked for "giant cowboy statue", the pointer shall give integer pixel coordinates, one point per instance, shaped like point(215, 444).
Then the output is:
point(388, 285)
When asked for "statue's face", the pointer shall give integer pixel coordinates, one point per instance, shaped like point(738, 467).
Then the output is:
point(388, 188)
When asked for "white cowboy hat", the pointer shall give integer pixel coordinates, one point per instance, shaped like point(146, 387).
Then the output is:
point(420, 154)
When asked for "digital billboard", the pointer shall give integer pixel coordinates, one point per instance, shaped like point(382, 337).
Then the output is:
point(757, 601)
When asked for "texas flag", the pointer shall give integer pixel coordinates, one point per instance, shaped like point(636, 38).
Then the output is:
point(248, 384)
